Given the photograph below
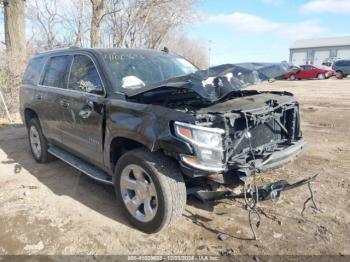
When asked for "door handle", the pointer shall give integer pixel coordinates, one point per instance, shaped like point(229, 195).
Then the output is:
point(85, 112)
point(39, 97)
point(64, 104)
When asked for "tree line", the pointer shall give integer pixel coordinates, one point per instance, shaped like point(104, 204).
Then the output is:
point(99, 23)
point(36, 25)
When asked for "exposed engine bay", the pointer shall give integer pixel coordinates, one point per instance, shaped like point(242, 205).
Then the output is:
point(257, 125)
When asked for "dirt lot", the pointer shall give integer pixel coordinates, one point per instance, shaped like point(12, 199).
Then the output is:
point(53, 209)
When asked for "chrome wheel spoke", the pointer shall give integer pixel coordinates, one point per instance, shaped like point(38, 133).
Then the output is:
point(152, 190)
point(133, 205)
point(35, 141)
point(138, 175)
point(128, 183)
point(149, 212)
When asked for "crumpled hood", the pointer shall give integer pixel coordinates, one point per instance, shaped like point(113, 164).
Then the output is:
point(216, 82)
point(252, 102)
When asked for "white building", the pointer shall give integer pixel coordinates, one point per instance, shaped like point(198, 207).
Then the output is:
point(315, 51)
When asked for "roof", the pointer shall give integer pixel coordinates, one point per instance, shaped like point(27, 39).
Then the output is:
point(322, 42)
point(120, 51)
point(114, 50)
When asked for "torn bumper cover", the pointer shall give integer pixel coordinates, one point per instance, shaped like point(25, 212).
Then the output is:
point(266, 192)
point(276, 159)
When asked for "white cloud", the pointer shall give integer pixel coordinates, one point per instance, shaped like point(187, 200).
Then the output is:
point(326, 6)
point(249, 23)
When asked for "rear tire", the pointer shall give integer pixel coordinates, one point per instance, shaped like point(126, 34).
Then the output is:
point(321, 76)
point(339, 74)
point(150, 189)
point(37, 142)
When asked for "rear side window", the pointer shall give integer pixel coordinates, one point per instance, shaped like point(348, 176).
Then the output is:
point(33, 71)
point(342, 63)
point(84, 75)
point(56, 71)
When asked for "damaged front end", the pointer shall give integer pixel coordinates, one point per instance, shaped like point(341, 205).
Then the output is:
point(234, 132)
point(257, 139)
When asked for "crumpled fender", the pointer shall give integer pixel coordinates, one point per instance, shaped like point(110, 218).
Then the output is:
point(148, 125)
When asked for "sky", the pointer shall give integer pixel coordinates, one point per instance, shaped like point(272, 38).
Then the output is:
point(263, 30)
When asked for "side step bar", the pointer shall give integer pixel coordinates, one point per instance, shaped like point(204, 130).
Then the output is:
point(83, 166)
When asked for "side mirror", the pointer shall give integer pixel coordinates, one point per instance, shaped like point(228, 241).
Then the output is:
point(132, 82)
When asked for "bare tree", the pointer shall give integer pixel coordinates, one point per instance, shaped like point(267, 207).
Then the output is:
point(193, 49)
point(13, 61)
point(14, 22)
point(45, 17)
point(96, 18)
point(76, 21)
point(79, 33)
point(146, 23)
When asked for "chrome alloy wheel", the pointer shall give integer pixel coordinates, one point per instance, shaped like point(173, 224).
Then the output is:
point(139, 193)
point(35, 141)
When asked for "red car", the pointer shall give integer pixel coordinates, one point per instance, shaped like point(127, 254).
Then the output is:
point(308, 72)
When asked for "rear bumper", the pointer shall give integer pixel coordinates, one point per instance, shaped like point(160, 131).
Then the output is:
point(330, 73)
point(280, 158)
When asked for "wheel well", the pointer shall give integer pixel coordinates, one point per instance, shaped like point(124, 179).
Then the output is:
point(28, 115)
point(121, 145)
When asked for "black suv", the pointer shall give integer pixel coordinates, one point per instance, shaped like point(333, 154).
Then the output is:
point(155, 126)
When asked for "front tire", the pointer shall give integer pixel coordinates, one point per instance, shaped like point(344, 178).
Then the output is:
point(37, 142)
point(339, 74)
point(150, 189)
point(292, 77)
point(321, 76)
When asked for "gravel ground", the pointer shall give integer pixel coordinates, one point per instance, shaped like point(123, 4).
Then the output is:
point(53, 209)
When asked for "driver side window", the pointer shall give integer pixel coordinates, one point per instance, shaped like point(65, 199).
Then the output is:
point(84, 76)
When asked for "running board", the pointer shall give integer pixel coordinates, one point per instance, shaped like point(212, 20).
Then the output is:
point(81, 165)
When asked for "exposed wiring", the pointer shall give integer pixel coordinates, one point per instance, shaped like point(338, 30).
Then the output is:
point(311, 197)
point(252, 207)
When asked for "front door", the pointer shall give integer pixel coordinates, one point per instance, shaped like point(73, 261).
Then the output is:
point(82, 128)
point(306, 72)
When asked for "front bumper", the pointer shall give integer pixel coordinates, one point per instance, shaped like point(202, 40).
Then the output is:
point(280, 158)
point(274, 160)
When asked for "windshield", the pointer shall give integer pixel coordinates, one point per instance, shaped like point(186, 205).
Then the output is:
point(135, 69)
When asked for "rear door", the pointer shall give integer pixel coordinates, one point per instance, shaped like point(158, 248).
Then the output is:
point(82, 128)
point(314, 71)
point(346, 68)
point(48, 95)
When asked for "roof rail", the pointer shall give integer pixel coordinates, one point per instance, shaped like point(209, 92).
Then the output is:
point(74, 47)
point(58, 49)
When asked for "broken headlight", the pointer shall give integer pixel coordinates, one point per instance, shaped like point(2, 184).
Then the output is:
point(207, 144)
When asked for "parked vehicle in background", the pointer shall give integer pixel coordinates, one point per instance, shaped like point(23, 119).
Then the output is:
point(327, 65)
point(342, 68)
point(308, 72)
